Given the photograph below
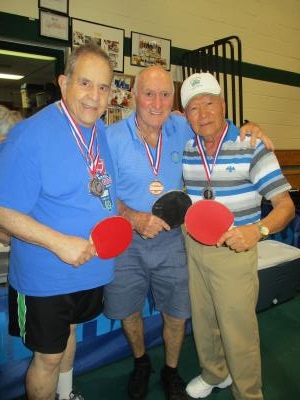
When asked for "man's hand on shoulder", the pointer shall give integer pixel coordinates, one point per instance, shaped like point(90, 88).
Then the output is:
point(4, 238)
point(254, 130)
point(177, 112)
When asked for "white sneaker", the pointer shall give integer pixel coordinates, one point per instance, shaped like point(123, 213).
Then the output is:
point(199, 389)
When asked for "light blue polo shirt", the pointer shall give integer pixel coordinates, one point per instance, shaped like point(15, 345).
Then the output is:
point(133, 169)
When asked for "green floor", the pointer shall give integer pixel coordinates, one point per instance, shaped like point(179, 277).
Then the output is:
point(280, 347)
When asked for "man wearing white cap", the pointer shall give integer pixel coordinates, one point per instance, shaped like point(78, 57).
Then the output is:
point(223, 279)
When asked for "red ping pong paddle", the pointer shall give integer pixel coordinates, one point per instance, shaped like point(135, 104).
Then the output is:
point(207, 220)
point(111, 236)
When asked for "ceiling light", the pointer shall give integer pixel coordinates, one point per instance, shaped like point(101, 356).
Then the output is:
point(11, 76)
point(26, 55)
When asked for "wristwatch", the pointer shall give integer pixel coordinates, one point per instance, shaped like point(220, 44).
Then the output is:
point(263, 230)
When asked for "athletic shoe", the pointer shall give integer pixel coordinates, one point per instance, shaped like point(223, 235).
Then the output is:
point(139, 379)
point(74, 395)
point(199, 389)
point(173, 385)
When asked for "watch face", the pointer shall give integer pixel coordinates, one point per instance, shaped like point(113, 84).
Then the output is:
point(264, 231)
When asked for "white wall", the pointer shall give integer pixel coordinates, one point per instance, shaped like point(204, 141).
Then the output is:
point(269, 31)
point(277, 109)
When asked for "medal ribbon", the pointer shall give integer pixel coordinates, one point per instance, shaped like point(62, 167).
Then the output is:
point(207, 168)
point(91, 158)
point(154, 163)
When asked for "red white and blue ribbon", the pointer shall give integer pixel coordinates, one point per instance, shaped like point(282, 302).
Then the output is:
point(209, 169)
point(91, 151)
point(155, 163)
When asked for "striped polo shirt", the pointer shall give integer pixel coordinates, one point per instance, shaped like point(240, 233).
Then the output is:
point(240, 177)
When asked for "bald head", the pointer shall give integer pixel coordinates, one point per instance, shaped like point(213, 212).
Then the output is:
point(152, 73)
point(154, 95)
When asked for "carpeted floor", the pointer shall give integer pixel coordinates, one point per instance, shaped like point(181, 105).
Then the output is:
point(280, 347)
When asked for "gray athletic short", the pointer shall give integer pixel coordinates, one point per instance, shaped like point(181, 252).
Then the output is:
point(157, 264)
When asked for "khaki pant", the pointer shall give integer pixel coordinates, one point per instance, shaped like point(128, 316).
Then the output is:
point(223, 289)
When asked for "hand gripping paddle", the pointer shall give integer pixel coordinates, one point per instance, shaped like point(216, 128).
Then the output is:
point(111, 236)
point(171, 207)
point(207, 220)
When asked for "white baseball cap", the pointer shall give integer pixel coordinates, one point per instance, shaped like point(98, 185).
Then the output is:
point(199, 83)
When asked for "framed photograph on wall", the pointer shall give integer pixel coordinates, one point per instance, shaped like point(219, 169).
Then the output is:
point(120, 101)
point(60, 6)
point(109, 38)
point(150, 50)
point(120, 94)
point(54, 25)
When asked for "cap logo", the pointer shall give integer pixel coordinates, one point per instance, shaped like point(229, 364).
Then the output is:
point(195, 82)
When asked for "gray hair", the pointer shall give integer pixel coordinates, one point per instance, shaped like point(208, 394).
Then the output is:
point(87, 48)
point(8, 119)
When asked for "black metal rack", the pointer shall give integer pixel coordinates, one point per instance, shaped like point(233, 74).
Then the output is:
point(223, 59)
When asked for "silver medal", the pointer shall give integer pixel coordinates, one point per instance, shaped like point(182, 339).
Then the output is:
point(208, 193)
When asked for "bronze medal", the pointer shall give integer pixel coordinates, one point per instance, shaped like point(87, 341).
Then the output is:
point(156, 188)
point(96, 186)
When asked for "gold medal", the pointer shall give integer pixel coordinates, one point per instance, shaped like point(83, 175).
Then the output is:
point(156, 188)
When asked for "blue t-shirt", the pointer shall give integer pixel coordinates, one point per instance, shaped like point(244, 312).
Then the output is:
point(133, 170)
point(43, 174)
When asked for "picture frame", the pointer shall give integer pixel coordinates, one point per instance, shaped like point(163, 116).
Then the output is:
point(120, 101)
point(120, 94)
point(54, 25)
point(109, 38)
point(59, 6)
point(149, 50)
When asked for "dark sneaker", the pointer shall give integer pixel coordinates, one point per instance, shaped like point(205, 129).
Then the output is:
point(74, 395)
point(139, 379)
point(173, 385)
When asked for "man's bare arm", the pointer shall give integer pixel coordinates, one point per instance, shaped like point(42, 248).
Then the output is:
point(242, 238)
point(73, 250)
